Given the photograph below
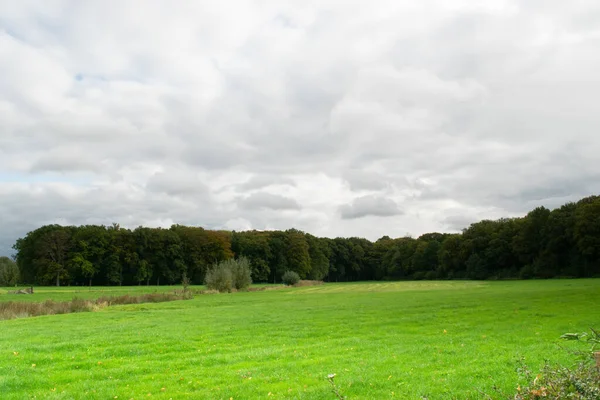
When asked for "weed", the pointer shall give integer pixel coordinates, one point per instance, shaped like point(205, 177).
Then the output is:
point(334, 388)
point(556, 383)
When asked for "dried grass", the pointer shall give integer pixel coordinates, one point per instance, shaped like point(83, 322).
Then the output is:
point(308, 283)
point(16, 309)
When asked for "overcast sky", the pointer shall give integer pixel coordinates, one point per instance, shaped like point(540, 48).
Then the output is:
point(340, 118)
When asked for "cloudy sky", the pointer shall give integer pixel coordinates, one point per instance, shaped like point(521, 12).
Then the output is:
point(341, 118)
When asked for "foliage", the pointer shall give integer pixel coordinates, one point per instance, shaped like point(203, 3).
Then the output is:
point(241, 273)
point(290, 278)
point(564, 242)
point(9, 272)
point(593, 339)
point(554, 382)
point(229, 274)
point(219, 278)
point(581, 382)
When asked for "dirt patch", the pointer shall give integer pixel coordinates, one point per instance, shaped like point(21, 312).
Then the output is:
point(265, 288)
point(308, 283)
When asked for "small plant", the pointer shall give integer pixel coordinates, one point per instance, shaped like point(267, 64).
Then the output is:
point(334, 387)
point(290, 278)
point(581, 382)
point(557, 383)
point(185, 282)
point(593, 338)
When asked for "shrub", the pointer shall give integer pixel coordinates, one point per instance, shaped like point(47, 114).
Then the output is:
point(219, 278)
point(241, 273)
point(557, 383)
point(229, 274)
point(9, 272)
point(290, 278)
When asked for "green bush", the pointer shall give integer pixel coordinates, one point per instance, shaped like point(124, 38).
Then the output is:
point(9, 272)
point(557, 383)
point(290, 278)
point(229, 274)
point(241, 273)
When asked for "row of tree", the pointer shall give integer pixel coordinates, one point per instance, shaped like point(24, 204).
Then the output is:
point(564, 242)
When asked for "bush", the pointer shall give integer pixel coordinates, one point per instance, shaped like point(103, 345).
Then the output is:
point(219, 278)
point(290, 278)
point(9, 272)
point(241, 273)
point(229, 274)
point(557, 383)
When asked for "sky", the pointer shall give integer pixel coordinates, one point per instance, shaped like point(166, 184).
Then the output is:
point(339, 118)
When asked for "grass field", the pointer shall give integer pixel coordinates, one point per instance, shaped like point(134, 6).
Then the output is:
point(404, 340)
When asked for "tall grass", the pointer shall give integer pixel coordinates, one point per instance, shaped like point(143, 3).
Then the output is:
point(15, 309)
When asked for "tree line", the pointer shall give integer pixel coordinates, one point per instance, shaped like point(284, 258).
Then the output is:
point(564, 242)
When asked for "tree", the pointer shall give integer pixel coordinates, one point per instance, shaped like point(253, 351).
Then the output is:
point(52, 251)
point(9, 272)
point(318, 251)
point(255, 246)
point(297, 252)
point(451, 259)
point(587, 234)
point(79, 263)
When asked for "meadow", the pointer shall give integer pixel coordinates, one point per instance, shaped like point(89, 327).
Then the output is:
point(404, 340)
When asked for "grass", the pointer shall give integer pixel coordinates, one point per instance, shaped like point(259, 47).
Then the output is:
point(404, 340)
point(25, 309)
point(66, 293)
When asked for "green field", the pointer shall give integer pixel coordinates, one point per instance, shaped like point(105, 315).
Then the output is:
point(404, 340)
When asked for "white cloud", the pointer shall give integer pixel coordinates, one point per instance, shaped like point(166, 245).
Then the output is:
point(273, 114)
point(370, 206)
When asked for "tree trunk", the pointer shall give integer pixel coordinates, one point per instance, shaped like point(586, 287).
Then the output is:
point(58, 279)
point(90, 282)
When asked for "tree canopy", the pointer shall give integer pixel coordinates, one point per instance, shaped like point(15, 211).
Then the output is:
point(564, 242)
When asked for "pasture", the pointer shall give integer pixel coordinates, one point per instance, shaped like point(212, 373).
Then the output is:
point(404, 340)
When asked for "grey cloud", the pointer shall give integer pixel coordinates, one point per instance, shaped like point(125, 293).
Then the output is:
point(262, 181)
point(370, 206)
point(457, 223)
point(362, 180)
point(264, 200)
point(176, 183)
